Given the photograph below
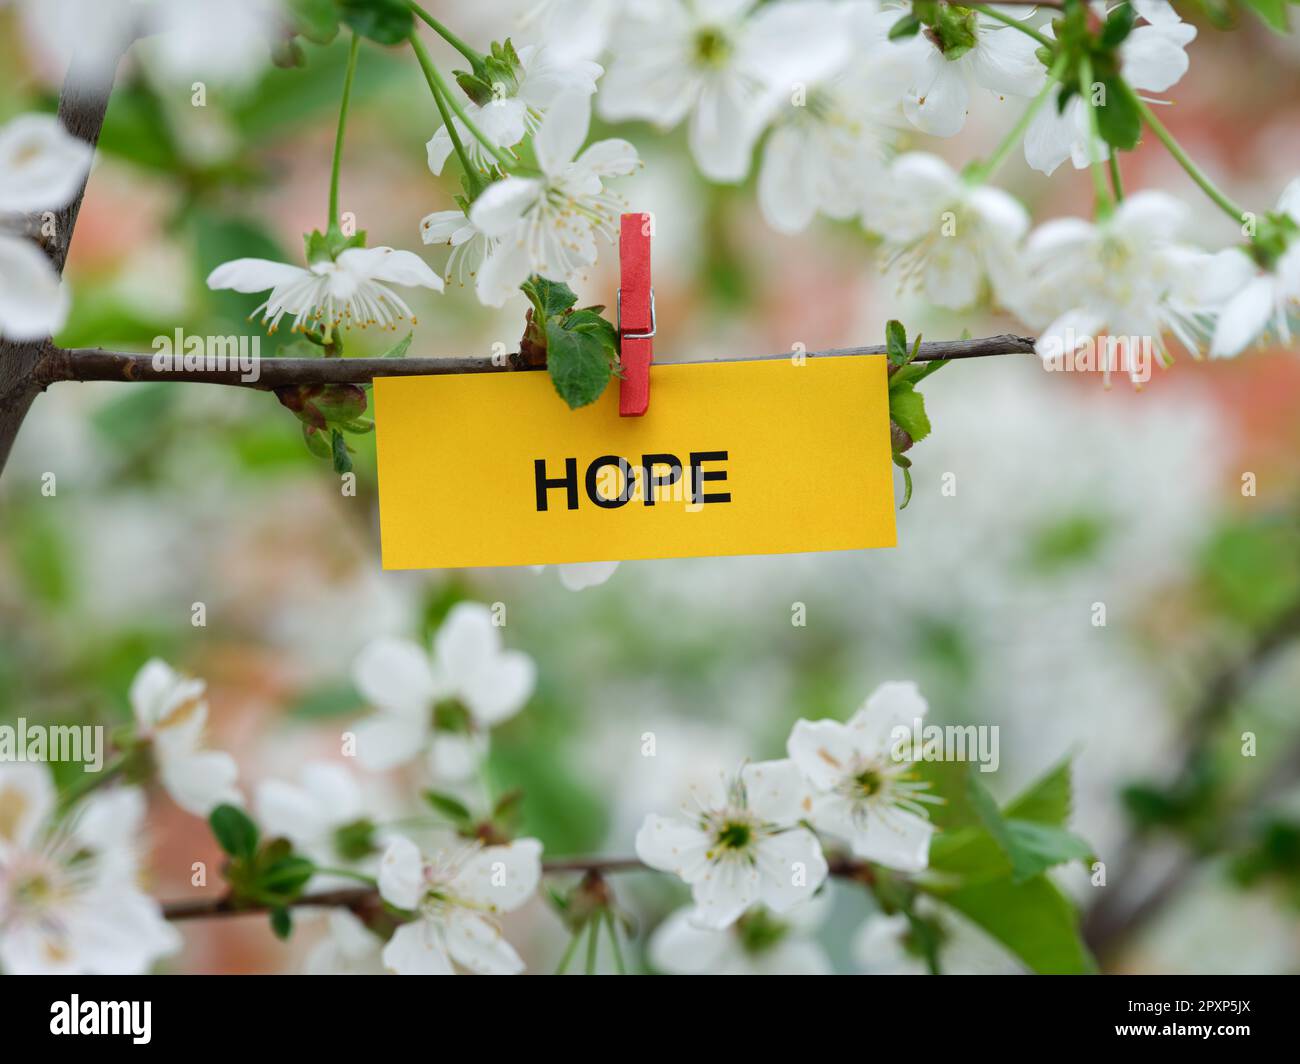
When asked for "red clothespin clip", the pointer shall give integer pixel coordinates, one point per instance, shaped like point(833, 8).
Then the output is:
point(636, 315)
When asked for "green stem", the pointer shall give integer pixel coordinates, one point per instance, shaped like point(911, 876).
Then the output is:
point(338, 139)
point(91, 781)
point(613, 938)
point(1104, 204)
point(475, 57)
point(1116, 180)
point(1014, 23)
point(347, 873)
point(438, 85)
point(593, 940)
point(1017, 133)
point(1184, 160)
point(569, 951)
point(471, 172)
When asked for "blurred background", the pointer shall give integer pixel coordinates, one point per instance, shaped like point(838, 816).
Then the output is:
point(1068, 494)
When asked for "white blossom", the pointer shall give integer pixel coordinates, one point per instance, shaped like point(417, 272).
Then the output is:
point(759, 943)
point(940, 77)
point(442, 705)
point(1152, 59)
point(507, 118)
point(228, 43)
point(548, 224)
point(69, 903)
point(721, 62)
point(171, 715)
point(348, 947)
point(469, 247)
point(1126, 277)
point(945, 235)
point(741, 845)
point(864, 786)
point(352, 290)
point(830, 136)
point(454, 896)
point(1260, 302)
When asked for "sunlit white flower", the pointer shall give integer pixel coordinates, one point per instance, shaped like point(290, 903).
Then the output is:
point(1125, 277)
point(325, 817)
point(69, 903)
point(507, 118)
point(829, 137)
point(889, 945)
point(864, 787)
point(352, 290)
point(944, 235)
point(722, 62)
point(171, 714)
point(759, 943)
point(348, 947)
point(454, 896)
point(741, 846)
point(442, 705)
point(1261, 302)
point(469, 247)
point(548, 225)
point(982, 53)
point(1153, 58)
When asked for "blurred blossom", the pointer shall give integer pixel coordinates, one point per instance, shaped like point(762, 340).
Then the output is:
point(69, 903)
point(346, 948)
point(759, 943)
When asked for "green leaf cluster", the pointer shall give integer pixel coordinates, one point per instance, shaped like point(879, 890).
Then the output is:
point(260, 872)
point(579, 346)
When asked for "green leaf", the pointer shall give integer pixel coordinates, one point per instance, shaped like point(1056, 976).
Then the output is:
point(383, 21)
point(591, 321)
point(281, 924)
point(1273, 12)
point(399, 349)
point(449, 806)
point(234, 831)
point(896, 342)
point(1046, 801)
point(905, 464)
point(553, 297)
point(1034, 920)
point(1031, 847)
point(907, 26)
point(907, 409)
point(1118, 120)
point(316, 441)
point(1119, 24)
point(286, 876)
point(580, 363)
point(339, 452)
point(317, 20)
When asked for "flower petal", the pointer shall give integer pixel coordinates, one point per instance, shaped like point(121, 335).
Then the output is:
point(401, 874)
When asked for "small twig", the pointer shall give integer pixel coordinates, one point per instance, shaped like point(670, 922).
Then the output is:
point(361, 897)
point(93, 364)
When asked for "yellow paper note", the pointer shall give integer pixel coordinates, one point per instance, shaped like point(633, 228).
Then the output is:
point(767, 457)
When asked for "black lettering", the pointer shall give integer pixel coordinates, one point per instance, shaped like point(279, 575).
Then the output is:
point(698, 476)
point(653, 480)
point(569, 482)
point(593, 474)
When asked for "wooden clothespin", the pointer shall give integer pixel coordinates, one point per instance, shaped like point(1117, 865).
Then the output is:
point(636, 315)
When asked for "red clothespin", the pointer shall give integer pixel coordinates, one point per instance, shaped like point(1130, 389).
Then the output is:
point(636, 315)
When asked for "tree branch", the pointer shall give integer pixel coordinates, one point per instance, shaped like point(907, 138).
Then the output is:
point(93, 364)
point(361, 898)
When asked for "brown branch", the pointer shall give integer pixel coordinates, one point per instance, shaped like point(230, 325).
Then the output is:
point(362, 898)
point(93, 364)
